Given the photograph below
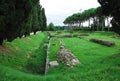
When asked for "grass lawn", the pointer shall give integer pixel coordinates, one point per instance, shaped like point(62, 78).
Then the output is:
point(98, 62)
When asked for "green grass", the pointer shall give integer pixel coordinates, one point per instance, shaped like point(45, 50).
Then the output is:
point(98, 62)
point(23, 48)
point(9, 74)
point(22, 56)
point(54, 48)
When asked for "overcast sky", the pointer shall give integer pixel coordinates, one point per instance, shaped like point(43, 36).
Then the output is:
point(57, 10)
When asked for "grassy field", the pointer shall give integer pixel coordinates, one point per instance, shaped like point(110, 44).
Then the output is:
point(24, 59)
point(98, 62)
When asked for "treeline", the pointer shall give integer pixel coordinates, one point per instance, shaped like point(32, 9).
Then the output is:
point(20, 17)
point(98, 16)
point(94, 16)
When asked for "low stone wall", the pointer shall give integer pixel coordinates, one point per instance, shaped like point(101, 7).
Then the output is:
point(67, 36)
point(84, 34)
point(103, 42)
point(47, 55)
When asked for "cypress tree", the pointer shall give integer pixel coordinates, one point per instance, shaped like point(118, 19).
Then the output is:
point(19, 17)
point(44, 25)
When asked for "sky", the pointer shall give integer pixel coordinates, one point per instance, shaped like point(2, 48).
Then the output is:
point(57, 10)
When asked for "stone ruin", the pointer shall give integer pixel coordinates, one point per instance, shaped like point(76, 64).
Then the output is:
point(103, 42)
point(116, 36)
point(84, 34)
point(67, 36)
point(53, 64)
point(66, 57)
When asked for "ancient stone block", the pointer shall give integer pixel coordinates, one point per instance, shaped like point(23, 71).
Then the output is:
point(103, 42)
point(53, 64)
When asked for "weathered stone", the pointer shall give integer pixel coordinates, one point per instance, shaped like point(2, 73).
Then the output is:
point(62, 47)
point(59, 32)
point(67, 36)
point(116, 36)
point(67, 57)
point(84, 34)
point(68, 65)
point(53, 64)
point(103, 42)
point(75, 62)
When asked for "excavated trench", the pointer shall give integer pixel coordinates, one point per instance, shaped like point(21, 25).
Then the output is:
point(38, 63)
point(47, 54)
point(64, 56)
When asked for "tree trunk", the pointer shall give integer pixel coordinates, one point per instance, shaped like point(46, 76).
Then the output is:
point(94, 23)
point(108, 24)
point(1, 41)
point(97, 24)
point(102, 25)
point(89, 22)
point(34, 32)
point(79, 25)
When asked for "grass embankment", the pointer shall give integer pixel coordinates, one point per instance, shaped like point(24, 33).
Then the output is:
point(99, 62)
point(22, 58)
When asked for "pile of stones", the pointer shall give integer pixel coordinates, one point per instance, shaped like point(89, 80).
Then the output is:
point(66, 57)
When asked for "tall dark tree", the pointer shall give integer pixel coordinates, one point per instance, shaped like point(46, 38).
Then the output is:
point(112, 7)
point(44, 24)
point(35, 18)
point(19, 17)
